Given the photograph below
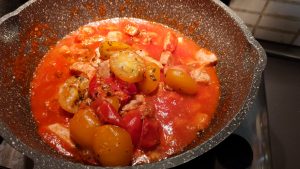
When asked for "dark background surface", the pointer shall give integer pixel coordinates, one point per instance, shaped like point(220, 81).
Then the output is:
point(282, 82)
point(9, 5)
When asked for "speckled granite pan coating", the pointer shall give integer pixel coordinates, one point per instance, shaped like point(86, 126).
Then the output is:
point(27, 33)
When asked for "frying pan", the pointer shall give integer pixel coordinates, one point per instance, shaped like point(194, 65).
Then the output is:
point(28, 32)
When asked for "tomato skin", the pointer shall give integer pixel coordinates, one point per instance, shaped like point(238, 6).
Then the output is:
point(129, 88)
point(181, 81)
point(116, 85)
point(127, 65)
point(114, 101)
point(112, 145)
point(108, 48)
point(151, 80)
point(150, 134)
point(82, 127)
point(93, 87)
point(133, 124)
point(106, 112)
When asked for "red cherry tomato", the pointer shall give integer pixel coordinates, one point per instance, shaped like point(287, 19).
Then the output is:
point(133, 124)
point(150, 136)
point(106, 112)
point(115, 85)
point(93, 87)
point(131, 89)
point(111, 82)
point(118, 84)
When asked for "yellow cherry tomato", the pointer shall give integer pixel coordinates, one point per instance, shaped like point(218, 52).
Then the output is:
point(71, 92)
point(82, 127)
point(151, 79)
point(180, 81)
point(113, 146)
point(107, 48)
point(127, 65)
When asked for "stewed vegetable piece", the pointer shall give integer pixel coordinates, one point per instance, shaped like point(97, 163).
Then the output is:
point(113, 146)
point(82, 127)
point(127, 65)
point(151, 79)
point(181, 81)
point(114, 101)
point(71, 92)
point(107, 48)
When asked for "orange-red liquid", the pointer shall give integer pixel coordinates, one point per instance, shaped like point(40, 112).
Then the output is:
point(176, 113)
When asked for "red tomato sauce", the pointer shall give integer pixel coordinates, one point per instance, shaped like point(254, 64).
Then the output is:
point(179, 116)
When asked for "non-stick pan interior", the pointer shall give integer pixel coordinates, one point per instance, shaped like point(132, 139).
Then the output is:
point(27, 36)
